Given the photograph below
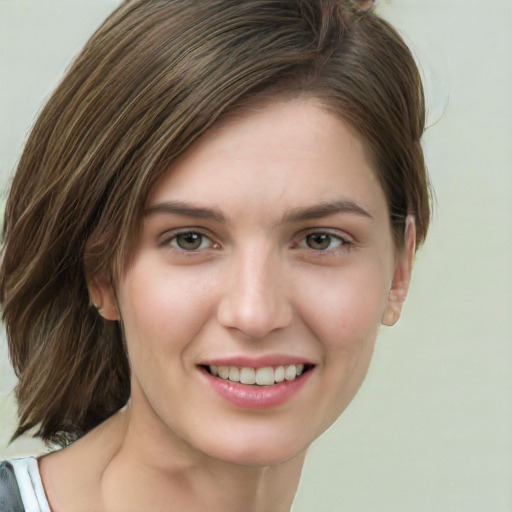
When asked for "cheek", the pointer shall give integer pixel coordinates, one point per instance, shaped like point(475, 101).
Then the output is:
point(345, 305)
point(345, 315)
point(165, 308)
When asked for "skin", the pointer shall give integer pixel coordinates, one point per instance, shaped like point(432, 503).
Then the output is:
point(263, 280)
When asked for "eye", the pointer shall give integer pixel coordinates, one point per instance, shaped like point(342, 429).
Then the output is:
point(191, 241)
point(324, 241)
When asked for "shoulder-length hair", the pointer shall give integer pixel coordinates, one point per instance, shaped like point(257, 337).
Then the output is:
point(152, 79)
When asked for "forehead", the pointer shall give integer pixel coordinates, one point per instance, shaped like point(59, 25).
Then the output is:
point(273, 158)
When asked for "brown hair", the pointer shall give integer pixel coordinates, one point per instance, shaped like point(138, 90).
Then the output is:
point(154, 77)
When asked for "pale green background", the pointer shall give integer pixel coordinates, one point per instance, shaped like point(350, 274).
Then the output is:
point(431, 429)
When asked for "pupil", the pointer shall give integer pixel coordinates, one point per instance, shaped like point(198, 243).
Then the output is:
point(318, 241)
point(189, 241)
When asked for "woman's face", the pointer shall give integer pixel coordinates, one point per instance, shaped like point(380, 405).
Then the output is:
point(266, 254)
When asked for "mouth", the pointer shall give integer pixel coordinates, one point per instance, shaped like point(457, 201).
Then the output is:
point(262, 376)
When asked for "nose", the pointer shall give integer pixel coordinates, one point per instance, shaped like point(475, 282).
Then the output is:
point(255, 299)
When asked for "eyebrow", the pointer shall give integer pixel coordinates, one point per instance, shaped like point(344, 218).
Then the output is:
point(186, 209)
point(325, 209)
point(300, 214)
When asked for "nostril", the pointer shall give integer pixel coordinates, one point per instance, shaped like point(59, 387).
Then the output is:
point(254, 320)
point(254, 297)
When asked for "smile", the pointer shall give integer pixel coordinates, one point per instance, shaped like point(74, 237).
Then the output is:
point(264, 376)
point(257, 387)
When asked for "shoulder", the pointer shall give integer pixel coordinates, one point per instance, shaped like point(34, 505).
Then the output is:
point(21, 488)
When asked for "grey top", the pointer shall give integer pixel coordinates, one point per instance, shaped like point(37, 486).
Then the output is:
point(30, 485)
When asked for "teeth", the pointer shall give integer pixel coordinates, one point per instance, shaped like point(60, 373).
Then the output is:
point(266, 376)
point(279, 374)
point(247, 376)
point(223, 372)
point(290, 372)
point(234, 374)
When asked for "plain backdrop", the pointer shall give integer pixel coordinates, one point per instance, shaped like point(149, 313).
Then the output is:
point(431, 428)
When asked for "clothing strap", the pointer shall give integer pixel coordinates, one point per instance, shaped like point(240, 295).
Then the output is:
point(10, 497)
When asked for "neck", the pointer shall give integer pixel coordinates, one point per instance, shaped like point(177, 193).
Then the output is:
point(160, 469)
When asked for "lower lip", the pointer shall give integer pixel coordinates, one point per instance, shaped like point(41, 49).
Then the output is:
point(257, 397)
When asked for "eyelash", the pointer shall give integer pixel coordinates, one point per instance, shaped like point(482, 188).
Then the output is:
point(342, 243)
point(171, 241)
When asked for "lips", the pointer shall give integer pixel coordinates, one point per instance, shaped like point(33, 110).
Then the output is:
point(257, 384)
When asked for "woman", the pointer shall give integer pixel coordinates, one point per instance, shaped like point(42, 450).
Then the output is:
point(214, 213)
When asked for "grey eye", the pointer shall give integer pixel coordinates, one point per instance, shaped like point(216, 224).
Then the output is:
point(190, 241)
point(322, 241)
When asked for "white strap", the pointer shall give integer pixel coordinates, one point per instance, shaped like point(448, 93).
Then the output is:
point(30, 484)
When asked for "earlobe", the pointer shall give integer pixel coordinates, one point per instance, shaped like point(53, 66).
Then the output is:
point(393, 309)
point(103, 297)
point(402, 275)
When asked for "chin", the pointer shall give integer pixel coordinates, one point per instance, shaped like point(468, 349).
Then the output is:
point(258, 447)
point(260, 458)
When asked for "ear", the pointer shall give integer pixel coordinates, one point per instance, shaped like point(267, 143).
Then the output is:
point(103, 297)
point(402, 275)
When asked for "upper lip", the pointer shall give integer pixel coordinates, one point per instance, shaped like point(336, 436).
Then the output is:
point(256, 362)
